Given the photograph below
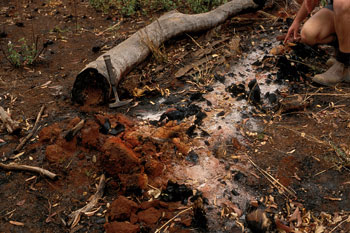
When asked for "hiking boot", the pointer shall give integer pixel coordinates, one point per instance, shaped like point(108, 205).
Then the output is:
point(331, 61)
point(334, 75)
point(347, 74)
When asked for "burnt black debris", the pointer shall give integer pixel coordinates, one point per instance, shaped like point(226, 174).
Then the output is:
point(181, 112)
point(204, 133)
point(199, 117)
point(286, 71)
point(172, 99)
point(222, 113)
point(258, 221)
point(237, 91)
point(192, 157)
point(209, 88)
point(173, 115)
point(209, 103)
point(176, 192)
point(293, 66)
point(239, 176)
point(219, 78)
point(20, 24)
point(96, 49)
point(199, 220)
point(190, 131)
point(197, 97)
point(47, 43)
point(119, 128)
point(254, 92)
point(107, 129)
point(234, 192)
point(272, 97)
point(303, 51)
point(3, 34)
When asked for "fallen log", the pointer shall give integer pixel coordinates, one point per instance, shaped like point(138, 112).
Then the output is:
point(136, 48)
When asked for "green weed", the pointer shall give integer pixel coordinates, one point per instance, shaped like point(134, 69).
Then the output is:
point(131, 7)
point(23, 54)
point(200, 6)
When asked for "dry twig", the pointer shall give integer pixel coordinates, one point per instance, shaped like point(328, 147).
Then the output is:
point(73, 131)
point(14, 166)
point(35, 127)
point(172, 219)
point(272, 180)
point(75, 216)
point(342, 222)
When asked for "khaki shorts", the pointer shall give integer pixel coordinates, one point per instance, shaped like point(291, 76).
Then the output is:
point(329, 5)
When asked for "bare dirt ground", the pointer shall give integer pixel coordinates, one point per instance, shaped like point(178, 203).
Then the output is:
point(201, 148)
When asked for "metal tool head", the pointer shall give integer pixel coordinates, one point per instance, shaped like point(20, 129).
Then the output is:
point(119, 103)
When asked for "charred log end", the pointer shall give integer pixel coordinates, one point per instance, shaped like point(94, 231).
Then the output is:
point(90, 87)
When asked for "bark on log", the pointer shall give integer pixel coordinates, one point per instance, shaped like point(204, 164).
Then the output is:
point(135, 49)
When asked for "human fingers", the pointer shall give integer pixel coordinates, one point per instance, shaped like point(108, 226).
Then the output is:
point(288, 35)
point(296, 35)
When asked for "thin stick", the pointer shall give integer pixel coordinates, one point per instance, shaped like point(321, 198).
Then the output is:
point(328, 144)
point(108, 29)
point(345, 220)
point(35, 127)
point(272, 179)
point(14, 166)
point(194, 41)
point(75, 216)
point(327, 94)
point(308, 137)
point(267, 14)
point(5, 55)
point(73, 131)
point(323, 171)
point(170, 220)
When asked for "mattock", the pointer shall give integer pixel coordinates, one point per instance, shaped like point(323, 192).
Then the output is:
point(114, 81)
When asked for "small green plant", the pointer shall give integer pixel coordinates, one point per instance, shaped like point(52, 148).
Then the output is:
point(200, 6)
point(131, 7)
point(323, 2)
point(21, 54)
point(24, 55)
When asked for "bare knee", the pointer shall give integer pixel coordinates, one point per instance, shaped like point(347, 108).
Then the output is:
point(308, 35)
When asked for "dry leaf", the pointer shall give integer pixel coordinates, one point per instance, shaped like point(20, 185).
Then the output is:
point(278, 50)
point(320, 229)
point(17, 223)
point(20, 203)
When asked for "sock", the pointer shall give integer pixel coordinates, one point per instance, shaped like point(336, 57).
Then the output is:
point(335, 42)
point(343, 58)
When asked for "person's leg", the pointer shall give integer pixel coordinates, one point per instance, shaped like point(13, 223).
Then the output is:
point(340, 71)
point(319, 29)
point(342, 24)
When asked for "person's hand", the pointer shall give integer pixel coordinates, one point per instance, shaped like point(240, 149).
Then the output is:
point(293, 32)
point(310, 5)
